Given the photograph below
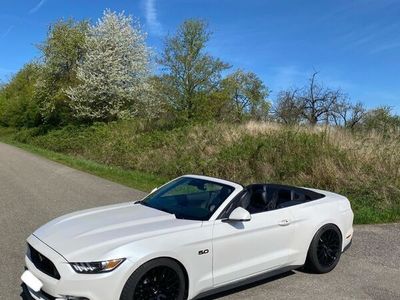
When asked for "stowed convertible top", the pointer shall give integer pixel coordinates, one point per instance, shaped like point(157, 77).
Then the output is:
point(263, 197)
point(305, 193)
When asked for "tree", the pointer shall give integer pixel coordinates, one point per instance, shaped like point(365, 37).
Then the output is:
point(190, 71)
point(18, 107)
point(62, 50)
point(313, 103)
point(287, 108)
point(113, 72)
point(248, 95)
point(347, 114)
point(381, 119)
point(151, 105)
point(317, 101)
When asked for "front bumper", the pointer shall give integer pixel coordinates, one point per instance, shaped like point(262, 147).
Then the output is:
point(41, 295)
point(104, 286)
point(347, 246)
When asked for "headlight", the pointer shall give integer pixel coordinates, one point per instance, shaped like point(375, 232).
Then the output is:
point(96, 267)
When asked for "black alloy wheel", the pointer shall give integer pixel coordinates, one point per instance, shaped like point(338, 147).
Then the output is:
point(325, 250)
point(158, 279)
point(160, 283)
point(328, 249)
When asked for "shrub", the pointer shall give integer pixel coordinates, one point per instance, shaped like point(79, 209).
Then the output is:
point(18, 106)
point(364, 166)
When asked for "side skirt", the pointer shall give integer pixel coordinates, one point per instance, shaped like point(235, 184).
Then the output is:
point(248, 280)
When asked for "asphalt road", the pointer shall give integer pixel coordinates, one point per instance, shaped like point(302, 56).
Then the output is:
point(34, 190)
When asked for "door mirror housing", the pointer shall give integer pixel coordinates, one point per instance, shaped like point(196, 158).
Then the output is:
point(239, 214)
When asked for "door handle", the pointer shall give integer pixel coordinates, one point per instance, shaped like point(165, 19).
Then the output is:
point(284, 222)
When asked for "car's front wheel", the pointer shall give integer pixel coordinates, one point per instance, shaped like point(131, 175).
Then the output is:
point(158, 279)
point(325, 250)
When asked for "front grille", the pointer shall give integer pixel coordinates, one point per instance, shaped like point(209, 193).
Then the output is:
point(42, 263)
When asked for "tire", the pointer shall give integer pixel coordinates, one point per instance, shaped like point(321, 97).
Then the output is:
point(157, 279)
point(325, 250)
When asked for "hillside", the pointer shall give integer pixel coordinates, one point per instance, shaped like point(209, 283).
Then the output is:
point(364, 166)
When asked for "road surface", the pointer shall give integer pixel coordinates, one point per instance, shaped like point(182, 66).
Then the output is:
point(33, 190)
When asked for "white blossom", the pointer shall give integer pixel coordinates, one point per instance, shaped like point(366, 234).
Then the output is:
point(113, 71)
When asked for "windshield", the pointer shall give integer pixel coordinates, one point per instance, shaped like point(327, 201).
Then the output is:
point(189, 198)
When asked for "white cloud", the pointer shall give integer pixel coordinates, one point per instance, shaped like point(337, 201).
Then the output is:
point(385, 46)
point(7, 31)
point(288, 76)
point(37, 7)
point(155, 26)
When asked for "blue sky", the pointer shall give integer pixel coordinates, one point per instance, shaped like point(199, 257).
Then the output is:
point(354, 44)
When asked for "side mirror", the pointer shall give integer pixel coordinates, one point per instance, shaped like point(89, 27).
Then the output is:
point(239, 214)
point(153, 190)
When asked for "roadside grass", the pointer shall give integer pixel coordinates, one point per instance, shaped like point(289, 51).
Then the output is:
point(363, 166)
point(131, 178)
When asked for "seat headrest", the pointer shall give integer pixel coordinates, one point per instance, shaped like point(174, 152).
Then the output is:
point(273, 201)
point(259, 198)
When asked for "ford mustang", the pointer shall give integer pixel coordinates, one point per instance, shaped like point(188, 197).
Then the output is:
point(193, 236)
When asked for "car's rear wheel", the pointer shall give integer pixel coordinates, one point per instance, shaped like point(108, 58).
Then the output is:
point(325, 250)
point(158, 279)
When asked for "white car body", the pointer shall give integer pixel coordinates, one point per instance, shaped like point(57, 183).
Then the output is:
point(270, 241)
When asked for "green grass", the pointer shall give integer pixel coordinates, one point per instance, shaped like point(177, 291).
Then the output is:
point(365, 167)
point(134, 179)
point(369, 215)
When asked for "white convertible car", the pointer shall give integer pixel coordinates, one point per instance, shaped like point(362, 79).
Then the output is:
point(193, 236)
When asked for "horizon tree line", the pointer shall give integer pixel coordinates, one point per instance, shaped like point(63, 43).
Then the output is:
point(105, 72)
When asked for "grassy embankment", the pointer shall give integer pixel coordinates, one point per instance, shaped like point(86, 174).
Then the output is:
point(363, 166)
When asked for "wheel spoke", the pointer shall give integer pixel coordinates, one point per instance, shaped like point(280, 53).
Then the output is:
point(157, 284)
point(328, 248)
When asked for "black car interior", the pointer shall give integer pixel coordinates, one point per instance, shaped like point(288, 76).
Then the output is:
point(258, 198)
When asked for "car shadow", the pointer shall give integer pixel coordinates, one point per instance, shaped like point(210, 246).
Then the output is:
point(246, 286)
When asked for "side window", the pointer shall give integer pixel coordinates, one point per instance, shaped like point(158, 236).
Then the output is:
point(298, 196)
point(259, 201)
point(283, 197)
point(288, 198)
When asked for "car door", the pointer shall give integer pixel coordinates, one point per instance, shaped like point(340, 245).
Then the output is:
point(243, 249)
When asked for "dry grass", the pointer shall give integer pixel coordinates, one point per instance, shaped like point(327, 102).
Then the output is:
point(365, 166)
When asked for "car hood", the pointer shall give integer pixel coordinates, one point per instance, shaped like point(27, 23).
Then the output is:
point(93, 234)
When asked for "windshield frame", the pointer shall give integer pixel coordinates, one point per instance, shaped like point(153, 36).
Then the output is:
point(170, 185)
